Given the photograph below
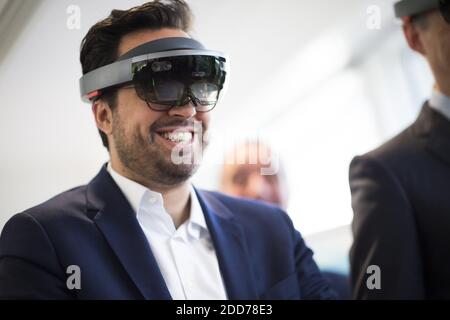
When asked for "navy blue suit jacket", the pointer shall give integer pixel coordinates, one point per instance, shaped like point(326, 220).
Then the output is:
point(260, 254)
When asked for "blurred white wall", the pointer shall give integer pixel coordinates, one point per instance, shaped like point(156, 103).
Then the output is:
point(311, 77)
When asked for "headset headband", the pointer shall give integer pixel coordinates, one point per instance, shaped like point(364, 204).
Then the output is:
point(120, 72)
point(160, 45)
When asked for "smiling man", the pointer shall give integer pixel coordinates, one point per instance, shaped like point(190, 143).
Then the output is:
point(139, 229)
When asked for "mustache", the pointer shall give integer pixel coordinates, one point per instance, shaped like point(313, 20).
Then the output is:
point(174, 122)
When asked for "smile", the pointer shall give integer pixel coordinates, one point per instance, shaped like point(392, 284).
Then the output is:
point(177, 135)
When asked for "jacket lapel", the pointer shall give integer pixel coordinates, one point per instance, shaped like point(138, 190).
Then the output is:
point(434, 129)
point(117, 221)
point(231, 248)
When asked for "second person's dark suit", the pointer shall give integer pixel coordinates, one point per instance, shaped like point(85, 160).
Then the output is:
point(401, 203)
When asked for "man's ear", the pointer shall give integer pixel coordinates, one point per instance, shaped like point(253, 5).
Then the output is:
point(103, 116)
point(413, 36)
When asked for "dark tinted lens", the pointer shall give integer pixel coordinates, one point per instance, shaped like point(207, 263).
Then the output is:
point(174, 81)
point(205, 93)
point(167, 90)
point(445, 9)
point(155, 86)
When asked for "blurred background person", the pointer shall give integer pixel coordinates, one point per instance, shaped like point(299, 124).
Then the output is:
point(254, 170)
point(243, 174)
point(400, 191)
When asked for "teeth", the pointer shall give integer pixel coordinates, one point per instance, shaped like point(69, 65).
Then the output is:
point(178, 136)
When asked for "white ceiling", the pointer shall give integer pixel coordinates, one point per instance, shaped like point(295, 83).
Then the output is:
point(2, 5)
point(14, 17)
point(263, 37)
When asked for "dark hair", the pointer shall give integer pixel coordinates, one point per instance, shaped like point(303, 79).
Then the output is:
point(100, 45)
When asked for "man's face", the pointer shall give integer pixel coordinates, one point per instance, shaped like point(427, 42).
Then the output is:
point(435, 38)
point(247, 181)
point(139, 136)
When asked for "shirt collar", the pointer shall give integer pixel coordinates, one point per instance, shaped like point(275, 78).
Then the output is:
point(135, 193)
point(196, 217)
point(441, 103)
point(132, 190)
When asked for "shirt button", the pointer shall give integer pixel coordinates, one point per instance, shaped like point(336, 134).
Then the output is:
point(152, 200)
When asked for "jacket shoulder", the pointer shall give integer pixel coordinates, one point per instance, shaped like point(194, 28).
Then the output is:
point(66, 204)
point(404, 151)
point(401, 146)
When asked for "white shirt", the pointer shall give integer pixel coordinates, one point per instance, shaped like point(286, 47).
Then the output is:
point(186, 256)
point(440, 103)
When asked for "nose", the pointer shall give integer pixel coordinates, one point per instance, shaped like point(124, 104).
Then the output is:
point(187, 111)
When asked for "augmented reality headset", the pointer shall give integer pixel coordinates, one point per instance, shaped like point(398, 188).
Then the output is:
point(413, 7)
point(165, 73)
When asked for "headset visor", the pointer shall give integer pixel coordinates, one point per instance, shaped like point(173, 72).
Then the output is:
point(175, 81)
